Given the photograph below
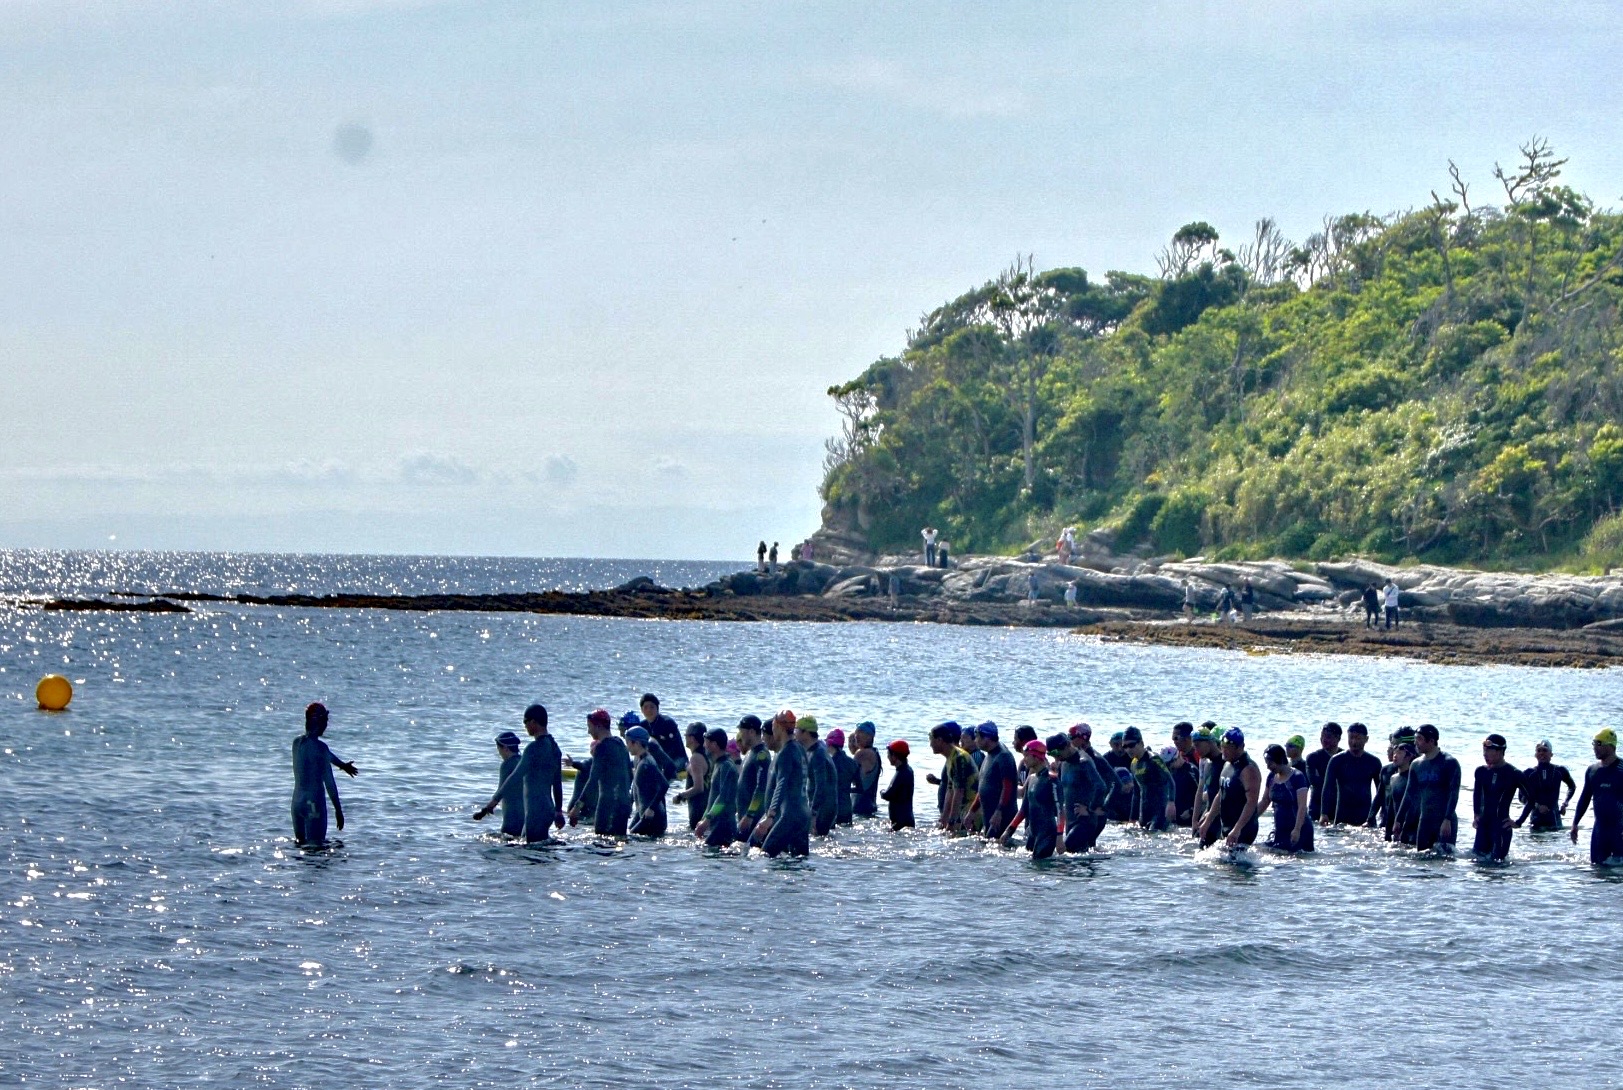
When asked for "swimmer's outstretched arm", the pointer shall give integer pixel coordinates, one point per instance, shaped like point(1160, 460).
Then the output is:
point(339, 762)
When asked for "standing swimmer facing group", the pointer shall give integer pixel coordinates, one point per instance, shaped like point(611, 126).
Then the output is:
point(313, 782)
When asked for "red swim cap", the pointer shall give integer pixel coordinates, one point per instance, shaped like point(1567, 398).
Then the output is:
point(898, 747)
point(598, 718)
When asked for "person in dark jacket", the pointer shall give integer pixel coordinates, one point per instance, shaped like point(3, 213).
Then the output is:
point(663, 730)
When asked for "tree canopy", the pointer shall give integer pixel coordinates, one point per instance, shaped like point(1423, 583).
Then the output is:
point(1443, 383)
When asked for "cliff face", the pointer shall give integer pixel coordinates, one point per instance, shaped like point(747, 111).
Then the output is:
point(1437, 386)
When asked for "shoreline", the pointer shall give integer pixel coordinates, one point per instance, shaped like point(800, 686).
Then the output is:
point(1433, 641)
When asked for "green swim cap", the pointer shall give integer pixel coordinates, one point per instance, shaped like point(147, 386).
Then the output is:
point(1296, 740)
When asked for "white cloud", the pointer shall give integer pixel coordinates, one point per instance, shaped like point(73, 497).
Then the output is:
point(559, 470)
point(946, 95)
point(435, 470)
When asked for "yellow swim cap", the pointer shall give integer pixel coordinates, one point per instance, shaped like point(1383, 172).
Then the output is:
point(806, 723)
point(1607, 737)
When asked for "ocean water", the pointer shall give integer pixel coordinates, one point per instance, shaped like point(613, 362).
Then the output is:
point(158, 928)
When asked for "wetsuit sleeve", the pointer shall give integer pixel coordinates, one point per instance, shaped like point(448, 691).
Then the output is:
point(1453, 789)
point(1566, 778)
point(556, 772)
point(1329, 793)
point(1479, 794)
point(1583, 797)
point(331, 785)
point(1098, 790)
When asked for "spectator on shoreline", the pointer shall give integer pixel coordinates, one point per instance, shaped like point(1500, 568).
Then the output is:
point(929, 535)
point(1248, 599)
point(1188, 601)
point(760, 558)
point(1390, 592)
point(1070, 594)
point(942, 554)
point(1372, 607)
point(772, 558)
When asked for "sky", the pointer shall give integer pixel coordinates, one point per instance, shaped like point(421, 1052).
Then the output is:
point(529, 278)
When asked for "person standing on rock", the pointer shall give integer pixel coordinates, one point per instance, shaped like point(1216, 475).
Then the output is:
point(1603, 785)
point(1541, 790)
point(1248, 600)
point(928, 533)
point(1070, 594)
point(772, 559)
point(1225, 605)
point(944, 555)
point(1390, 593)
point(1372, 607)
point(895, 590)
point(1031, 586)
point(1188, 601)
point(760, 558)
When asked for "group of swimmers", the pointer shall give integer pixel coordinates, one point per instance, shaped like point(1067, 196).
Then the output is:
point(776, 784)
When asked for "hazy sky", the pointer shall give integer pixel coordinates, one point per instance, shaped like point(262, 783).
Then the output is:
point(571, 279)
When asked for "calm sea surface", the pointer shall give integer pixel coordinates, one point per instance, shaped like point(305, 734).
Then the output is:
point(157, 927)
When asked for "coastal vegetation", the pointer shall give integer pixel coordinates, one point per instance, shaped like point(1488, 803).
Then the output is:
point(1442, 384)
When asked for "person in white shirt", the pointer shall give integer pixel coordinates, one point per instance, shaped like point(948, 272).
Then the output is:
point(929, 546)
point(1390, 594)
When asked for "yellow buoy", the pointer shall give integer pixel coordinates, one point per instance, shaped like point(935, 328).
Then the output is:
point(53, 692)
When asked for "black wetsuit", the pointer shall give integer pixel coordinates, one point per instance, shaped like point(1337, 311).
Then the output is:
point(1434, 784)
point(1492, 795)
point(1154, 789)
point(1403, 808)
point(1233, 799)
point(1386, 799)
point(999, 780)
point(722, 813)
point(750, 799)
point(823, 780)
point(313, 784)
point(648, 787)
point(608, 788)
point(542, 766)
point(1318, 766)
point(845, 777)
point(510, 789)
point(790, 805)
point(1081, 788)
point(1185, 785)
point(1541, 791)
point(1349, 784)
point(1211, 787)
point(664, 731)
point(1107, 776)
point(1039, 809)
point(899, 795)
point(865, 788)
point(1603, 786)
point(1124, 803)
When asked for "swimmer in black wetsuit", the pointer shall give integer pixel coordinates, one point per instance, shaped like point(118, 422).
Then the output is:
point(510, 791)
point(313, 782)
point(1541, 790)
point(1492, 794)
point(664, 731)
point(821, 776)
point(1603, 785)
point(698, 773)
point(1318, 765)
point(787, 824)
point(608, 786)
point(719, 825)
point(1082, 740)
point(845, 776)
point(899, 795)
point(648, 786)
point(1082, 794)
point(1294, 745)
point(1211, 776)
point(755, 763)
point(1234, 811)
point(542, 772)
point(1434, 787)
point(1038, 806)
point(1349, 782)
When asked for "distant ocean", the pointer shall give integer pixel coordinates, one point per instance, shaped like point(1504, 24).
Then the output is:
point(157, 927)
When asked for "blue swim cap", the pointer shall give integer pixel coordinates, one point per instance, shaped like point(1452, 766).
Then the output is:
point(987, 729)
point(1234, 736)
point(638, 734)
point(630, 719)
point(865, 727)
point(509, 739)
